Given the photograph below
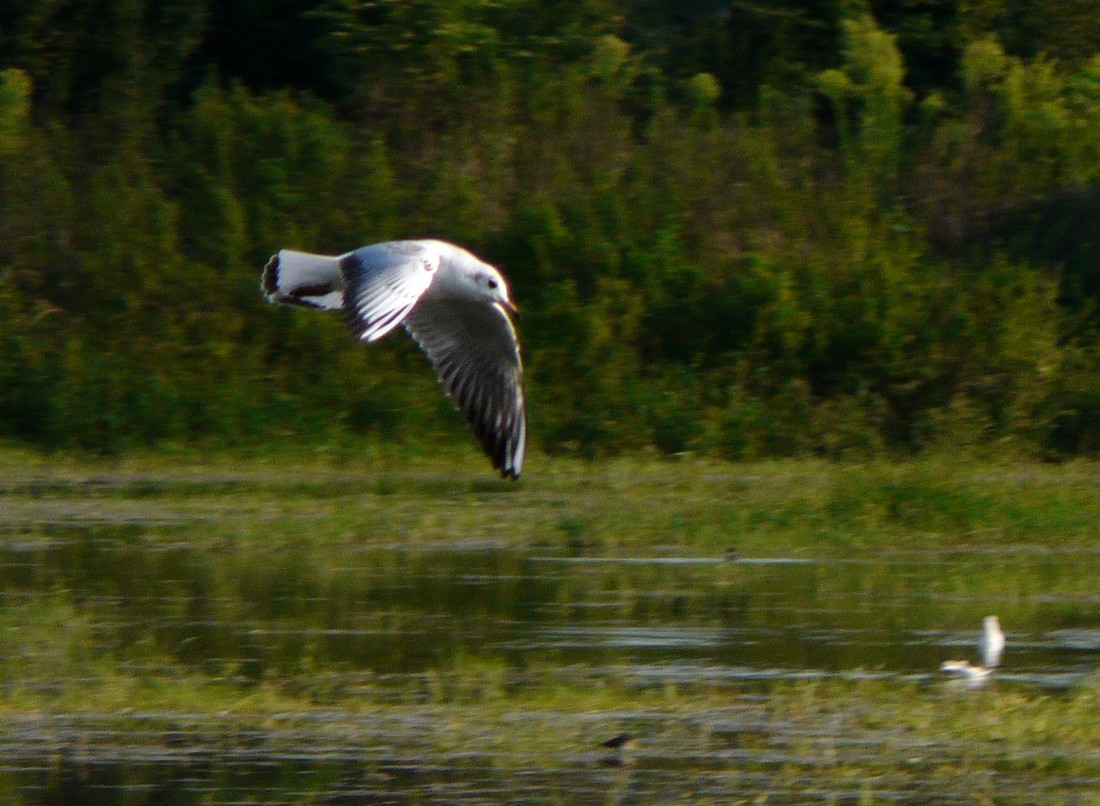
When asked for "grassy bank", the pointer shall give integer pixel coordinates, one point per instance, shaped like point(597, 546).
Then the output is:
point(173, 602)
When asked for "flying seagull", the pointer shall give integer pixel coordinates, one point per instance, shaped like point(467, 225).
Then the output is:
point(454, 305)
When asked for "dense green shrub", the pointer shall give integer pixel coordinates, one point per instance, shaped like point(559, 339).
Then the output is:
point(870, 240)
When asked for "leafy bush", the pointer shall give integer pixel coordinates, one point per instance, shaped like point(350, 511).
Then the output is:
point(863, 254)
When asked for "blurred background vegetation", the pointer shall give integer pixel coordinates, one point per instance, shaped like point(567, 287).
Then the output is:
point(742, 228)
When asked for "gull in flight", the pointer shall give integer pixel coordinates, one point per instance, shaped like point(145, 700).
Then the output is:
point(990, 646)
point(456, 307)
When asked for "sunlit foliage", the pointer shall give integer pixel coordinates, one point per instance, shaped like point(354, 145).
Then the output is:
point(742, 229)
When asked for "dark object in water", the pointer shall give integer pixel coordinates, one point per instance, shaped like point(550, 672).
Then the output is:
point(624, 741)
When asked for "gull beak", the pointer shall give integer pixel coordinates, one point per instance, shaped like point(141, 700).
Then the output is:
point(510, 306)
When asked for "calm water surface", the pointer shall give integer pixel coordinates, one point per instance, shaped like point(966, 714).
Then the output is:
point(391, 618)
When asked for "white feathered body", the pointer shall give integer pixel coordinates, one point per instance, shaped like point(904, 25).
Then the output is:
point(453, 304)
point(319, 281)
point(992, 643)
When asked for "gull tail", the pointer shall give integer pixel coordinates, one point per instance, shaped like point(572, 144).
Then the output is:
point(301, 278)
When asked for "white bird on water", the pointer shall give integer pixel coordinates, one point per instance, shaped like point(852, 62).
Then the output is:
point(990, 646)
point(975, 674)
point(992, 643)
point(454, 305)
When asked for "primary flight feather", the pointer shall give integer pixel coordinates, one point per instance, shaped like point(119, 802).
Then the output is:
point(454, 305)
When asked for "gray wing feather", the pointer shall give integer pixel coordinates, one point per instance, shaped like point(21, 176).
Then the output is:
point(474, 349)
point(384, 282)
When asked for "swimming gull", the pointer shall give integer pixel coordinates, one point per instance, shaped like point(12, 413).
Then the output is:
point(991, 646)
point(974, 674)
point(455, 306)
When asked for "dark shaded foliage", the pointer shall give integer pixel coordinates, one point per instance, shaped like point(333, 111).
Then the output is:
point(766, 228)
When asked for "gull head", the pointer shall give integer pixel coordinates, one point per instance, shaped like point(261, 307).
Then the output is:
point(491, 286)
point(463, 274)
point(478, 280)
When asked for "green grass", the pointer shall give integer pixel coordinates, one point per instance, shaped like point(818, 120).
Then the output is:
point(293, 541)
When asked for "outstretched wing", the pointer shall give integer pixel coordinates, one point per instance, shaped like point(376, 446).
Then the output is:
point(474, 349)
point(384, 282)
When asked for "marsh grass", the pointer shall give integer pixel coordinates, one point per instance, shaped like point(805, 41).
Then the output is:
point(235, 600)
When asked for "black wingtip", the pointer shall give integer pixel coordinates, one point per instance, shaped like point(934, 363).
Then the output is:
point(501, 453)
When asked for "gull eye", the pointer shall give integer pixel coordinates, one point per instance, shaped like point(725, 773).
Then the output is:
point(492, 283)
